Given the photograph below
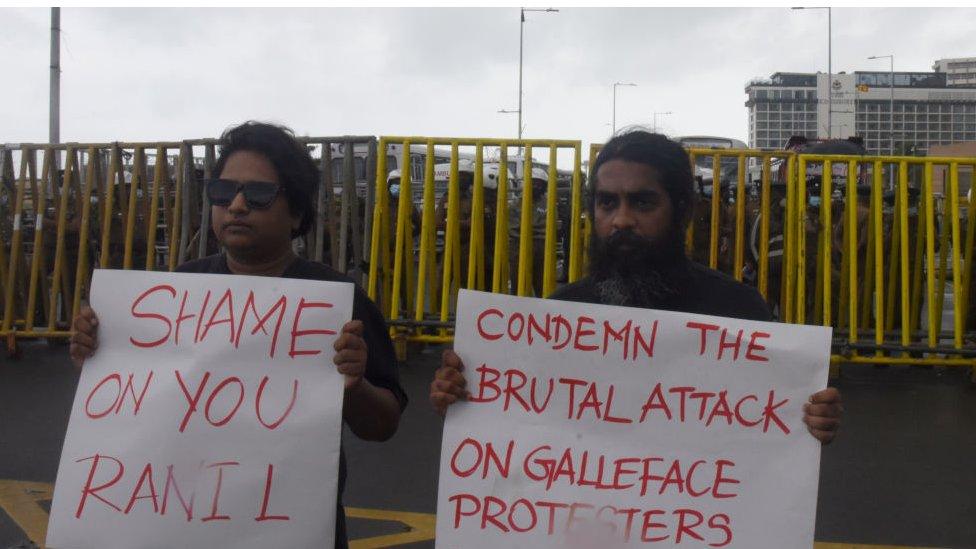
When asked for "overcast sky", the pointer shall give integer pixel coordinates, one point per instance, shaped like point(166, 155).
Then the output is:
point(167, 74)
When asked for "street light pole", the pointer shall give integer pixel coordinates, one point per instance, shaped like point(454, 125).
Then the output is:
point(521, 47)
point(891, 98)
point(655, 118)
point(830, 73)
point(613, 124)
point(54, 107)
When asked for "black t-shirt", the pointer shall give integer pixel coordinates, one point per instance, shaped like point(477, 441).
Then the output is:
point(381, 364)
point(700, 290)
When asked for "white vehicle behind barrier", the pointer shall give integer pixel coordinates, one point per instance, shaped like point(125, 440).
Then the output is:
point(394, 157)
point(704, 165)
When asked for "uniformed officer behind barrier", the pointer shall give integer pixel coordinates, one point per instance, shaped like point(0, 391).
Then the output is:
point(261, 199)
point(540, 183)
point(641, 203)
point(490, 176)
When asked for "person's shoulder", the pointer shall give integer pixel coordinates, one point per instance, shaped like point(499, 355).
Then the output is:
point(726, 295)
point(315, 270)
point(209, 264)
point(580, 291)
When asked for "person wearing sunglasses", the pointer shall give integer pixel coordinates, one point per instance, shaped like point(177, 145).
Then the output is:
point(262, 199)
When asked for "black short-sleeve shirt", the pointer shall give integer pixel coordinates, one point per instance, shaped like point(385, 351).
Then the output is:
point(381, 363)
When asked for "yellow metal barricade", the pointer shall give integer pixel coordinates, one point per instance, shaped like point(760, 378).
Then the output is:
point(463, 237)
point(66, 209)
point(888, 267)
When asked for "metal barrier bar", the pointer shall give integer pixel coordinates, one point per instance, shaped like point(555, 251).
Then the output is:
point(876, 203)
point(9, 298)
point(158, 173)
point(525, 227)
point(81, 271)
point(766, 211)
point(790, 243)
point(62, 213)
point(209, 162)
point(940, 283)
point(902, 213)
point(476, 234)
point(690, 233)
point(957, 293)
point(549, 263)
point(740, 218)
point(182, 219)
point(500, 273)
point(427, 241)
point(714, 223)
point(801, 242)
point(969, 247)
point(576, 210)
point(349, 198)
point(826, 211)
point(851, 251)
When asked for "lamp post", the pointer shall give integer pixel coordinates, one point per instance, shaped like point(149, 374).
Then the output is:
point(891, 99)
point(521, 47)
point(54, 107)
point(830, 76)
point(613, 123)
point(655, 118)
point(521, 44)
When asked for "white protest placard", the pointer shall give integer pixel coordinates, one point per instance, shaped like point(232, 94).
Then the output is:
point(596, 426)
point(209, 416)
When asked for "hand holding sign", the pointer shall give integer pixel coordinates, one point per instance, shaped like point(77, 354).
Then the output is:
point(449, 385)
point(351, 353)
point(84, 340)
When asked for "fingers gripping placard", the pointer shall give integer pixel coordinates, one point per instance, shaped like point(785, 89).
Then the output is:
point(209, 416)
point(597, 426)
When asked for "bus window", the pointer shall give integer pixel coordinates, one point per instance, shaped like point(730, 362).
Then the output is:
point(359, 168)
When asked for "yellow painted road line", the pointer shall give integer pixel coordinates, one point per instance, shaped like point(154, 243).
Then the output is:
point(20, 500)
point(421, 527)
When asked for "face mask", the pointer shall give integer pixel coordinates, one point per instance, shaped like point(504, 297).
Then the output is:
point(395, 190)
point(814, 200)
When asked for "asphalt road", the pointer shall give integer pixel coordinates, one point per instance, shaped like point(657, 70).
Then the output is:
point(900, 473)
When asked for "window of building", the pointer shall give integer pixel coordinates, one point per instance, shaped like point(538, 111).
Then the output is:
point(760, 94)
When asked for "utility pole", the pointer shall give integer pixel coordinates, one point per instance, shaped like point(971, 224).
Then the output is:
point(54, 111)
point(830, 72)
point(521, 44)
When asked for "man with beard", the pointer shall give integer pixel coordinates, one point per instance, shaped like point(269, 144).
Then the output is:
point(641, 204)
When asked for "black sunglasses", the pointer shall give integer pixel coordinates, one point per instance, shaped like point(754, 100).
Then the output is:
point(257, 194)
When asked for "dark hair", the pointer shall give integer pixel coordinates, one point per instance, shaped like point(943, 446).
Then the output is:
point(297, 172)
point(664, 155)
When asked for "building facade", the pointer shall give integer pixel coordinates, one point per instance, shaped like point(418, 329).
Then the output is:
point(959, 71)
point(926, 110)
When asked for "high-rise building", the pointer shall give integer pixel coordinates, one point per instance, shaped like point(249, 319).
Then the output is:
point(927, 111)
point(960, 71)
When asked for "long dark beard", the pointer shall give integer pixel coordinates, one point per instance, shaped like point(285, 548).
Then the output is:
point(632, 271)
